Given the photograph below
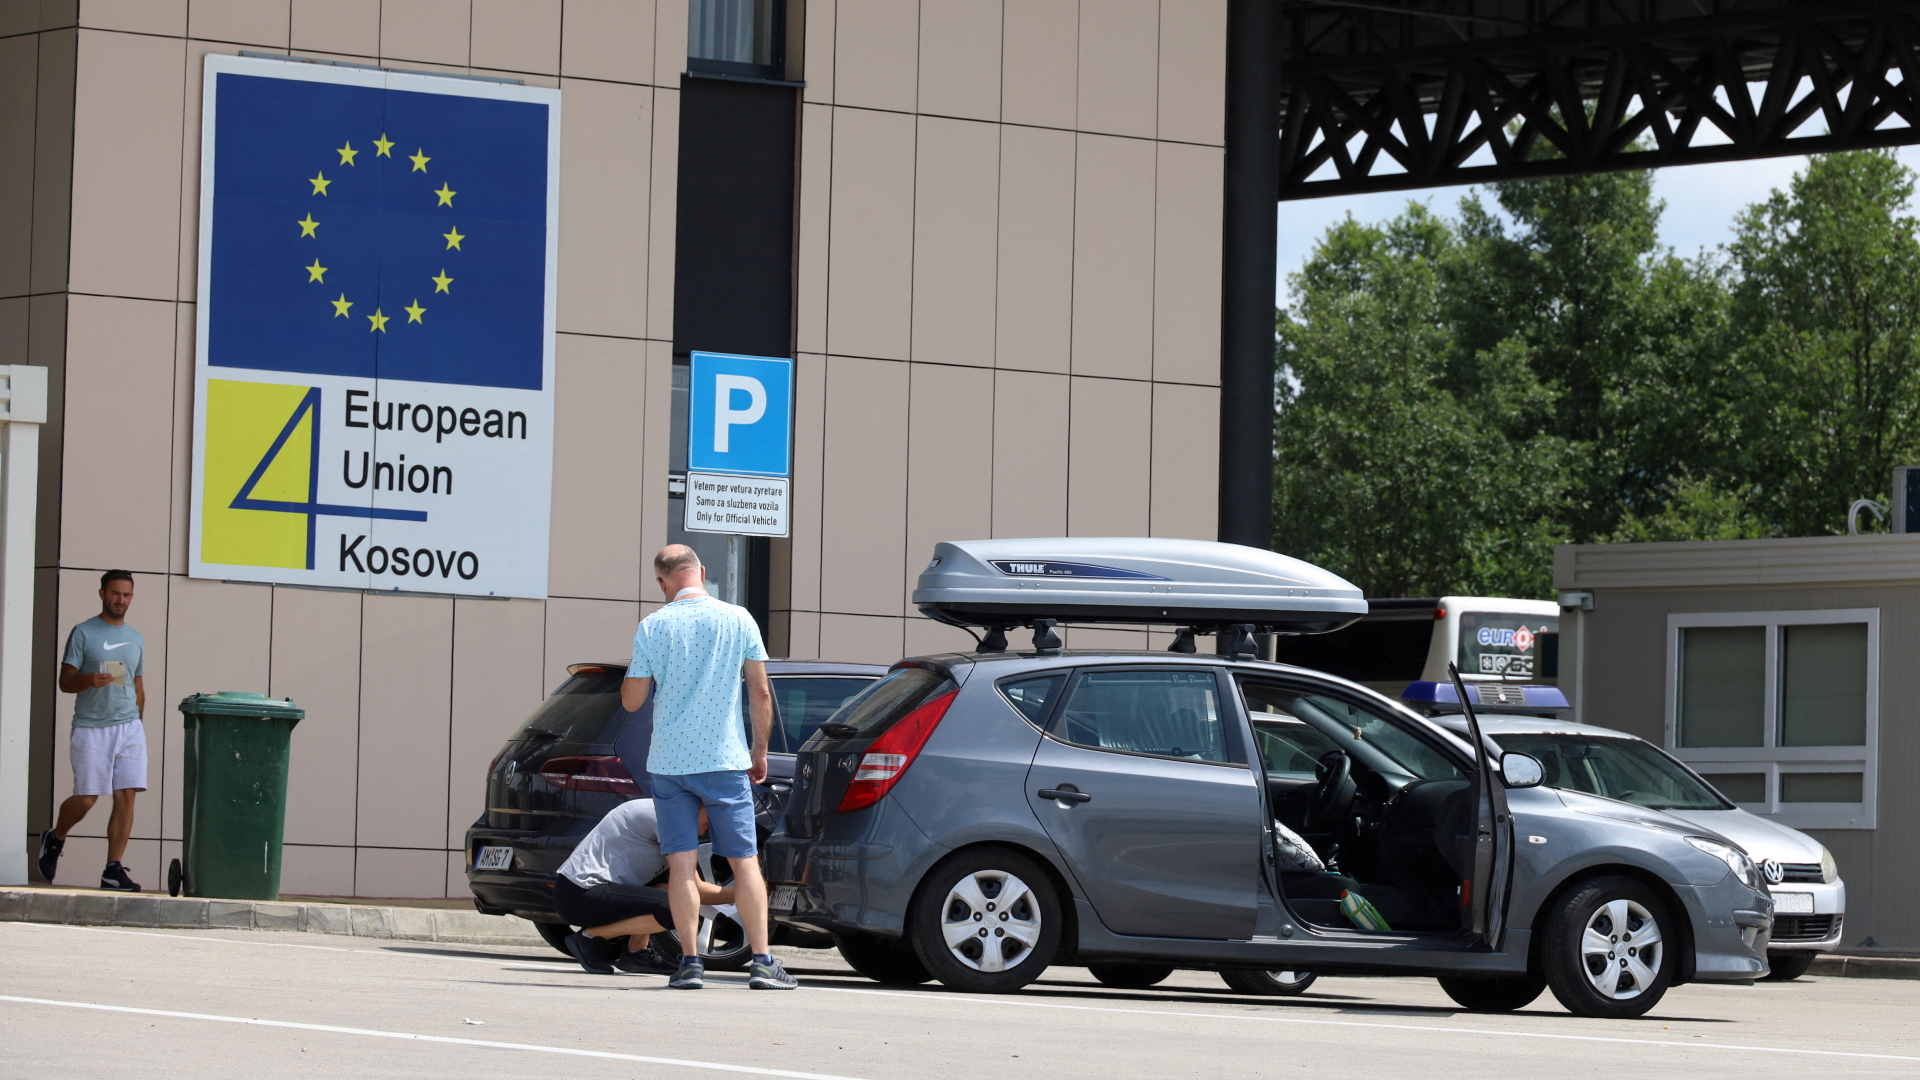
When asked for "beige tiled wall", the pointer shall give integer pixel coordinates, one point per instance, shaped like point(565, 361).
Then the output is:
point(1007, 286)
point(1008, 292)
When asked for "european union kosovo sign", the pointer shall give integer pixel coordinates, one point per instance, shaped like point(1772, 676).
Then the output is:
point(374, 403)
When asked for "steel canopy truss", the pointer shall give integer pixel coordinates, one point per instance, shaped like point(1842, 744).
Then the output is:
point(1399, 94)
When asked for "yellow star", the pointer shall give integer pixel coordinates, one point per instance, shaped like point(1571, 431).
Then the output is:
point(453, 240)
point(414, 311)
point(441, 282)
point(307, 225)
point(378, 320)
point(316, 272)
point(419, 160)
point(446, 194)
point(319, 183)
point(347, 153)
point(340, 306)
point(381, 146)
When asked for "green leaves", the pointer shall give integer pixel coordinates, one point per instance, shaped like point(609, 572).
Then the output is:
point(1455, 397)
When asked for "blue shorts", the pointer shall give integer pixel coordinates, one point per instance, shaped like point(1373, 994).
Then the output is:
point(728, 797)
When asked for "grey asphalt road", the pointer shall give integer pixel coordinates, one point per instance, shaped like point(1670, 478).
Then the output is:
point(81, 1002)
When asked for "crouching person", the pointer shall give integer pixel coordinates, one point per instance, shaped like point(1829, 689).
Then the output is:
point(603, 889)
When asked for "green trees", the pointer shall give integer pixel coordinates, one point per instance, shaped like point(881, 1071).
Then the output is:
point(1458, 396)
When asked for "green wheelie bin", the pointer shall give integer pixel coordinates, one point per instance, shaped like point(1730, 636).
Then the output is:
point(235, 804)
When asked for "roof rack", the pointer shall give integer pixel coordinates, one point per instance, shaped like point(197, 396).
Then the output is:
point(1197, 585)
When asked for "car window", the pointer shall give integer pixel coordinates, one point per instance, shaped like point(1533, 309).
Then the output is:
point(801, 703)
point(585, 709)
point(1626, 769)
point(1034, 697)
point(1291, 713)
point(885, 701)
point(1172, 714)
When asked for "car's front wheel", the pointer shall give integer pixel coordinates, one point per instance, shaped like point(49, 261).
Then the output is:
point(1494, 995)
point(1607, 951)
point(1271, 983)
point(1783, 966)
point(986, 921)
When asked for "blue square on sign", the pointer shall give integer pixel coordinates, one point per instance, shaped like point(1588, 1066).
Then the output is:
point(740, 415)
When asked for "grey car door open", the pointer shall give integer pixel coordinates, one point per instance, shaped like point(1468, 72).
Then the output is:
point(1141, 785)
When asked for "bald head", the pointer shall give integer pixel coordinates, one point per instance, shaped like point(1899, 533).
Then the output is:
point(677, 567)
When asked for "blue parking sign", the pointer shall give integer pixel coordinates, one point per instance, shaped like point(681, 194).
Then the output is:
point(740, 415)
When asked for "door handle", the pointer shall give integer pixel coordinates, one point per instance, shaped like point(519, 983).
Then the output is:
point(1065, 795)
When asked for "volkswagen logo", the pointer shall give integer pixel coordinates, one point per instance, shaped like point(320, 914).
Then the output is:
point(1772, 869)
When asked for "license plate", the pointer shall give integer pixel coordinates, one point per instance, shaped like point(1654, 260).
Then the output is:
point(494, 858)
point(783, 898)
point(1793, 903)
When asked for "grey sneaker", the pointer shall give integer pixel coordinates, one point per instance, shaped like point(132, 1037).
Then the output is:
point(770, 976)
point(691, 976)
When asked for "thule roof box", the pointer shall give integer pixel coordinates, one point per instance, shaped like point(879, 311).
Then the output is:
point(999, 584)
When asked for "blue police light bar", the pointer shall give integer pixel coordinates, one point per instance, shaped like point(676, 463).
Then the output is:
point(1489, 697)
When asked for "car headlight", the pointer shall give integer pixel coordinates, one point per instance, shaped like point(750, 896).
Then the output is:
point(1829, 870)
point(1735, 859)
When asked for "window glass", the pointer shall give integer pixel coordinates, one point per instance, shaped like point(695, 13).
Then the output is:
point(1625, 769)
point(1723, 673)
point(1799, 787)
point(802, 703)
point(735, 32)
point(1740, 787)
point(1823, 686)
point(585, 709)
point(1495, 643)
point(881, 705)
point(1295, 729)
point(1165, 713)
point(1371, 650)
point(1033, 697)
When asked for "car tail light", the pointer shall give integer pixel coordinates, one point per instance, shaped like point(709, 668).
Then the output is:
point(595, 773)
point(887, 759)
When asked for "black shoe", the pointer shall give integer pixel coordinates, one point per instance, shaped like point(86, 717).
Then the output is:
point(587, 951)
point(115, 879)
point(50, 848)
point(644, 962)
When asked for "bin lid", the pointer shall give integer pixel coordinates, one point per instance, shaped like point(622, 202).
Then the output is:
point(241, 703)
point(1131, 580)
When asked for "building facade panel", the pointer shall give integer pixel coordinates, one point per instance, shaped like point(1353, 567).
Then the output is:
point(1119, 67)
point(863, 489)
point(1193, 81)
point(1113, 257)
point(875, 61)
point(406, 676)
point(260, 23)
point(1186, 264)
point(1033, 311)
point(870, 262)
point(115, 507)
point(960, 59)
point(518, 35)
point(496, 683)
point(19, 78)
point(167, 17)
point(1030, 427)
point(603, 209)
point(1039, 66)
point(1109, 461)
point(956, 184)
point(600, 386)
point(426, 31)
point(336, 26)
point(607, 39)
point(316, 662)
point(126, 165)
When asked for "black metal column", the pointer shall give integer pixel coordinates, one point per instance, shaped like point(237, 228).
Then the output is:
point(1247, 272)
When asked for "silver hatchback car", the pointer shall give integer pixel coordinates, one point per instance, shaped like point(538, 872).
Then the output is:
point(1809, 898)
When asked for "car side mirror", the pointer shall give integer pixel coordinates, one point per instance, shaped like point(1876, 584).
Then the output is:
point(1521, 770)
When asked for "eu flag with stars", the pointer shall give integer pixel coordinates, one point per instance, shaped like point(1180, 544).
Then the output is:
point(362, 231)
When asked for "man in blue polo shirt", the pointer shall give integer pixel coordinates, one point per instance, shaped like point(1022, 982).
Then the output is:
point(692, 654)
point(103, 668)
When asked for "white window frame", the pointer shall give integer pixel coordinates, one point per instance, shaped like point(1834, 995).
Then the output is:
point(1773, 760)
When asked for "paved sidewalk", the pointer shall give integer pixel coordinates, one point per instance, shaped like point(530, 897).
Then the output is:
point(93, 907)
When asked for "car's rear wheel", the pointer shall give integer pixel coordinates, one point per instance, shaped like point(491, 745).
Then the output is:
point(986, 921)
point(1606, 951)
point(1494, 995)
point(1270, 983)
point(1783, 966)
point(884, 960)
point(1130, 976)
point(555, 934)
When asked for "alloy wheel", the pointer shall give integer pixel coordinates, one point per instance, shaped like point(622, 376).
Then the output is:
point(1620, 949)
point(990, 920)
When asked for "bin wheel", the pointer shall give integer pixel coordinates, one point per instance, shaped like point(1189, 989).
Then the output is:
point(176, 878)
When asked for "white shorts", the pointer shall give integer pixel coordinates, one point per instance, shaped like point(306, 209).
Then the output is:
point(109, 759)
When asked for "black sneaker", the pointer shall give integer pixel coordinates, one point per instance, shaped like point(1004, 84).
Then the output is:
point(644, 962)
point(587, 951)
point(50, 848)
point(115, 878)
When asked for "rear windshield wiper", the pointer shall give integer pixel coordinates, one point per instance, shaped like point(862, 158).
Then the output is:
point(539, 732)
point(839, 730)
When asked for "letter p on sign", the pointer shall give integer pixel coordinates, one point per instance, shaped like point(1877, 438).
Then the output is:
point(739, 414)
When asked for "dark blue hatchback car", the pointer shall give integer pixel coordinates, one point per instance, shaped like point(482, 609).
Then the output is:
point(580, 754)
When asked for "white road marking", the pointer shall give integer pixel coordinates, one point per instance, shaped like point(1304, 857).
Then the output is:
point(981, 1000)
point(489, 1044)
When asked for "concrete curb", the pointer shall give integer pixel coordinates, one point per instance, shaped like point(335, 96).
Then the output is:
point(1866, 967)
point(190, 913)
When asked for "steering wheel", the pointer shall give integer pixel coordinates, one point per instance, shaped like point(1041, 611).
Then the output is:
point(1336, 792)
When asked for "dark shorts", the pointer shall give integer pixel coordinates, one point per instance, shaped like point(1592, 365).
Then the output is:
point(602, 905)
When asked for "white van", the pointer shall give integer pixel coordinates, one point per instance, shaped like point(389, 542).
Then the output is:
point(1401, 642)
